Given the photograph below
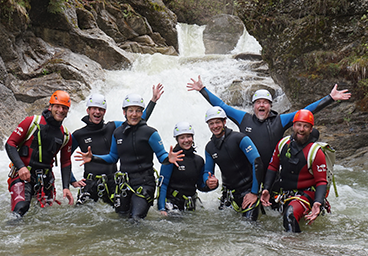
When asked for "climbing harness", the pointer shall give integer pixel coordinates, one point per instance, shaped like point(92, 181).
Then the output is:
point(227, 199)
point(44, 188)
point(122, 188)
point(101, 186)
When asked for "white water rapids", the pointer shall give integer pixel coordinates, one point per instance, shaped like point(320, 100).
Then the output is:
point(95, 229)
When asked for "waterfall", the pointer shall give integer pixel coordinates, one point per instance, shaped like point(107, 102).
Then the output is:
point(174, 72)
point(95, 229)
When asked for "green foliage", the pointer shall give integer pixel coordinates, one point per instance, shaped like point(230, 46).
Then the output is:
point(44, 72)
point(9, 7)
point(56, 6)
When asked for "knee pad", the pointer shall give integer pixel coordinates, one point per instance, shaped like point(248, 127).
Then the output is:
point(290, 222)
point(21, 207)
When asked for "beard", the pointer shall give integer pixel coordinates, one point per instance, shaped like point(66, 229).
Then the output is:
point(302, 140)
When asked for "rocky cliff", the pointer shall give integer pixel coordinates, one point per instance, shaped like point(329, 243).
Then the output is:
point(311, 45)
point(65, 44)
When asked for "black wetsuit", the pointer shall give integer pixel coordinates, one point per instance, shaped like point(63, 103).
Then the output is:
point(179, 184)
point(239, 161)
point(98, 137)
point(134, 146)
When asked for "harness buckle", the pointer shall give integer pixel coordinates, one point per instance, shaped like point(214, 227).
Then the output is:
point(117, 201)
point(189, 204)
point(226, 198)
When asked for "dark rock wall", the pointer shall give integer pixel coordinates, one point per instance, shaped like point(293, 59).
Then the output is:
point(311, 45)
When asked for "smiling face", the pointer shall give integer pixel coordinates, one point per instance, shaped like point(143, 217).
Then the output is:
point(133, 114)
point(96, 114)
point(302, 131)
point(262, 108)
point(185, 141)
point(217, 126)
point(59, 112)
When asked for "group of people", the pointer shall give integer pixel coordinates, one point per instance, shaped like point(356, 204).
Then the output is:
point(250, 178)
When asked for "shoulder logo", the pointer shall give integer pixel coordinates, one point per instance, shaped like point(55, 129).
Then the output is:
point(321, 168)
point(88, 140)
point(181, 168)
point(214, 156)
point(248, 129)
point(248, 149)
point(119, 141)
point(19, 130)
point(160, 142)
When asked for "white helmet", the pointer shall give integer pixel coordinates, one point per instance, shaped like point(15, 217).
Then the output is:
point(96, 100)
point(133, 99)
point(215, 112)
point(183, 128)
point(262, 94)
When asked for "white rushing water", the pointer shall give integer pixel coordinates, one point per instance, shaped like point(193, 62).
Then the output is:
point(96, 230)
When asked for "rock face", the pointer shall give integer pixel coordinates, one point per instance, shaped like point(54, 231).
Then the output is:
point(222, 34)
point(309, 47)
point(51, 45)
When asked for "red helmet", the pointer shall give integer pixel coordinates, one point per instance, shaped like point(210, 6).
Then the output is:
point(304, 115)
point(61, 98)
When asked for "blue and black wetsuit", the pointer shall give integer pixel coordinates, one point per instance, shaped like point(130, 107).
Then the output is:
point(134, 146)
point(239, 162)
point(99, 137)
point(267, 133)
point(179, 184)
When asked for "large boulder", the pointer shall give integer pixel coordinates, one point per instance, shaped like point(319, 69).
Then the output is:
point(222, 34)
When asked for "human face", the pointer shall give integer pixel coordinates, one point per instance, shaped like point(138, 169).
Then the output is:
point(217, 126)
point(59, 112)
point(133, 114)
point(185, 141)
point(302, 131)
point(262, 108)
point(96, 114)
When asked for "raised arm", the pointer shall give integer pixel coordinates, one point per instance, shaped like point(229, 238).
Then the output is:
point(234, 114)
point(339, 95)
point(157, 91)
point(286, 119)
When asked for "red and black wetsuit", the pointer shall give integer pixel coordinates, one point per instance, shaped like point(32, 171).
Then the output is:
point(51, 137)
point(295, 178)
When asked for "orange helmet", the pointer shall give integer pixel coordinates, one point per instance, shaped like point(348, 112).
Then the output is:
point(61, 98)
point(304, 115)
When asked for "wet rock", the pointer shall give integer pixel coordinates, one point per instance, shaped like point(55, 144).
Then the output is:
point(222, 34)
point(248, 56)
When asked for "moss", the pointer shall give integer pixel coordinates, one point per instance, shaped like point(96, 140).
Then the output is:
point(56, 6)
point(8, 8)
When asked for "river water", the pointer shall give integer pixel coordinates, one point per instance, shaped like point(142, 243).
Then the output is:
point(95, 229)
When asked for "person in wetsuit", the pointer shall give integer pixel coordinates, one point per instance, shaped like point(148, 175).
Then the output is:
point(265, 127)
point(239, 162)
point(178, 185)
point(98, 181)
point(302, 189)
point(134, 143)
point(32, 147)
